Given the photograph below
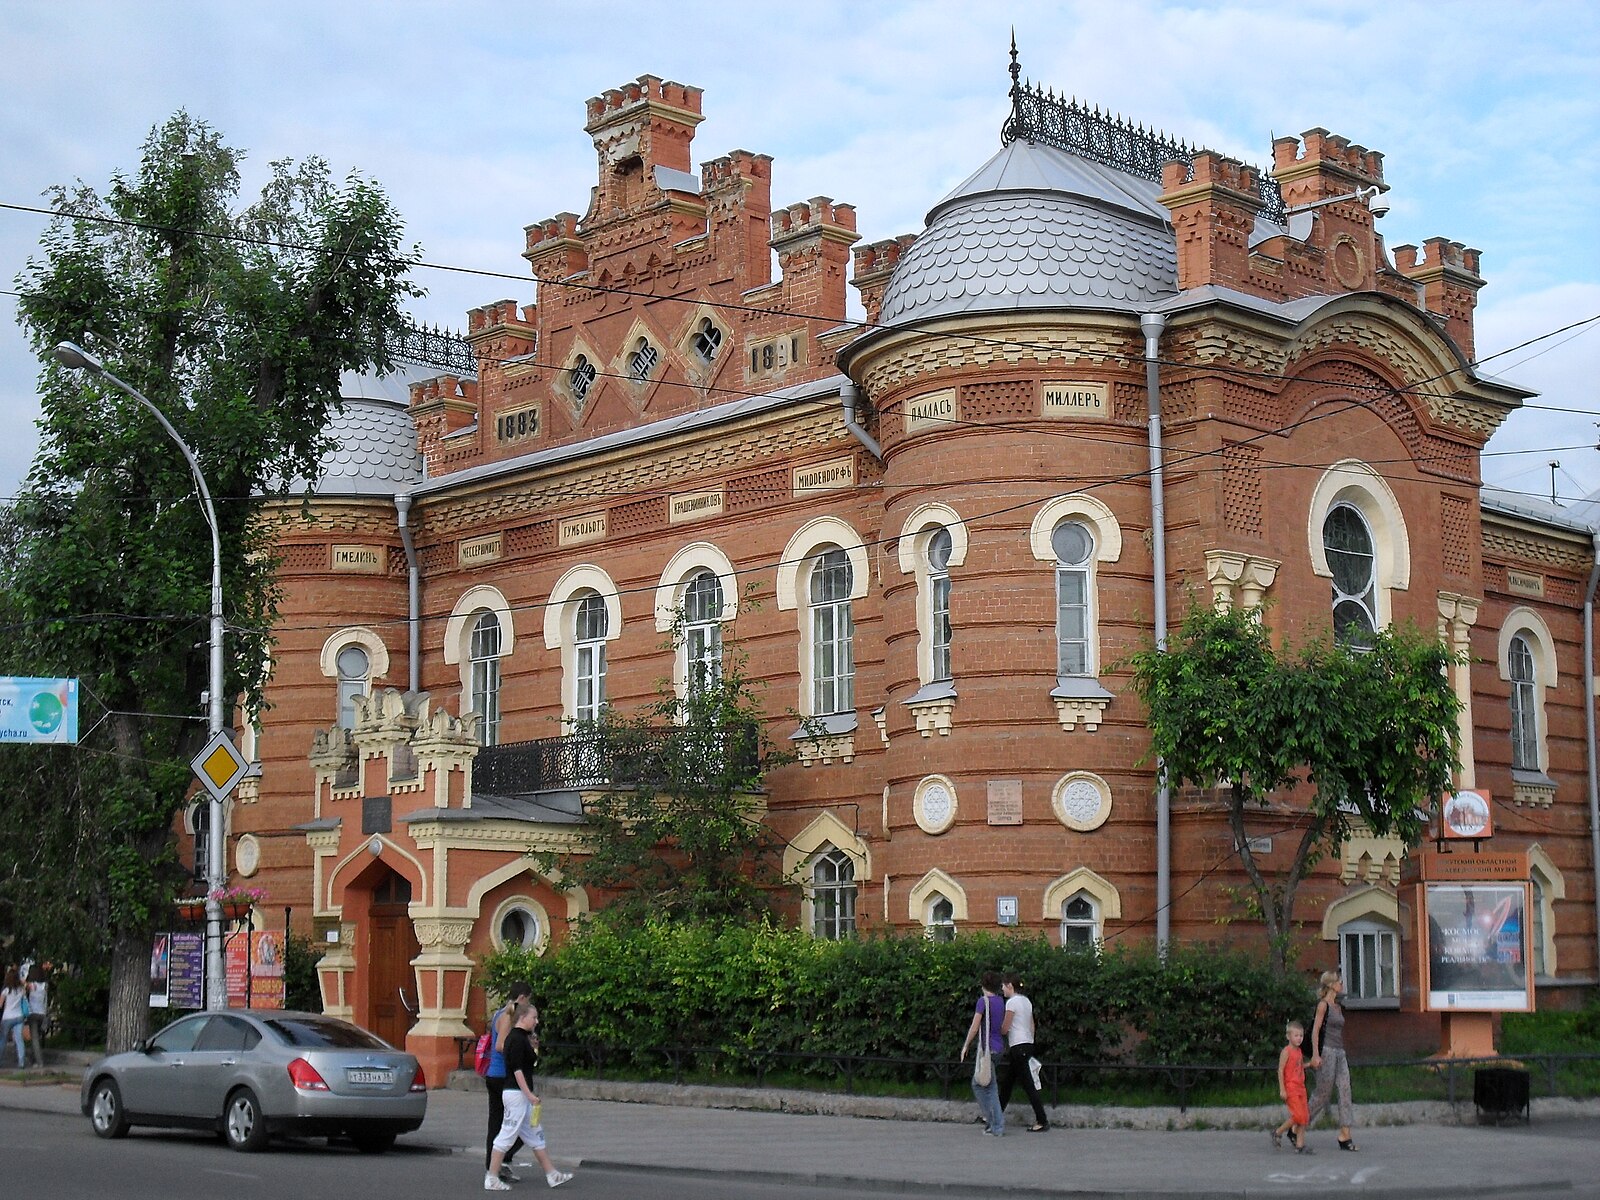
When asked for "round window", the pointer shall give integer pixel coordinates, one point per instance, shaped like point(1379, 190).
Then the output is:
point(939, 547)
point(519, 929)
point(1072, 543)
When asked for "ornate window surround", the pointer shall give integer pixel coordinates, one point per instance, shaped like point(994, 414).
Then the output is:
point(1080, 698)
point(1532, 787)
point(933, 704)
point(458, 632)
point(682, 567)
point(1352, 482)
point(560, 630)
point(793, 582)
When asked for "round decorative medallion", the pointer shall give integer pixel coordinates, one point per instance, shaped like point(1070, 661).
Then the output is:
point(1082, 801)
point(935, 804)
point(1348, 267)
point(247, 855)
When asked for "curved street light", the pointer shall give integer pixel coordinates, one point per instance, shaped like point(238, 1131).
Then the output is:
point(75, 357)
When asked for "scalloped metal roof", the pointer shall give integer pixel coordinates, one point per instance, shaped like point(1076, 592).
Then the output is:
point(375, 450)
point(1035, 227)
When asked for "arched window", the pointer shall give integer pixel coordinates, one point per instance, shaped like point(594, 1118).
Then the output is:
point(355, 669)
point(940, 924)
point(939, 547)
point(833, 896)
point(580, 378)
point(1524, 704)
point(832, 634)
point(1080, 922)
point(702, 631)
point(707, 339)
point(589, 638)
point(643, 360)
point(483, 652)
point(1074, 549)
point(1352, 558)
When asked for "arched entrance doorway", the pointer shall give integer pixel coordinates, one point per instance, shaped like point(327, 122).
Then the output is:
point(391, 945)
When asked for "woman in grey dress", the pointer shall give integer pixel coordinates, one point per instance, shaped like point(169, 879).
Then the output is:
point(1327, 1056)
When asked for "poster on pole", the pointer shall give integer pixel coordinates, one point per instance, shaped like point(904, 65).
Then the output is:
point(41, 711)
point(186, 971)
point(255, 969)
point(160, 969)
point(1477, 947)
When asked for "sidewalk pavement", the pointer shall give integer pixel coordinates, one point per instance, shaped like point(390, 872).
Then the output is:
point(873, 1146)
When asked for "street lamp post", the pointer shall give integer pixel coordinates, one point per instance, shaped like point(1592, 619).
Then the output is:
point(75, 357)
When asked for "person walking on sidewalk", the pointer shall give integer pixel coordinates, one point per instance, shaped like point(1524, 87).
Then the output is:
point(1018, 1029)
point(38, 988)
point(521, 1105)
point(13, 1017)
point(495, 1079)
point(1327, 1056)
point(987, 1018)
point(1292, 1089)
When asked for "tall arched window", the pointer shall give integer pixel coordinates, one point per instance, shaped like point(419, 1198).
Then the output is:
point(354, 669)
point(1348, 543)
point(1541, 968)
point(832, 633)
point(702, 631)
point(592, 625)
point(1080, 921)
point(833, 896)
point(1074, 548)
point(939, 547)
point(484, 655)
point(1524, 705)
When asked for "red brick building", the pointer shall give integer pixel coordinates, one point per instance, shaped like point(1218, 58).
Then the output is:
point(935, 534)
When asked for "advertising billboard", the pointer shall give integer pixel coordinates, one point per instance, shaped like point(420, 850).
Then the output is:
point(38, 710)
point(1476, 951)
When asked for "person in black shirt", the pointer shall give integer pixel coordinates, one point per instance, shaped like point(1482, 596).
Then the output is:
point(521, 1104)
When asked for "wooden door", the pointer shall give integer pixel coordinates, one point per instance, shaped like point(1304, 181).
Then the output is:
point(392, 947)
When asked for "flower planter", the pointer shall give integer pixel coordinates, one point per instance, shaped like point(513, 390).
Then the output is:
point(195, 910)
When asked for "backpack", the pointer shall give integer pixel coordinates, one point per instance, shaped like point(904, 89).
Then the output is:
point(480, 1061)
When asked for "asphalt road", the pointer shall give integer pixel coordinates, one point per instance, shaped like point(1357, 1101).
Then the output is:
point(51, 1157)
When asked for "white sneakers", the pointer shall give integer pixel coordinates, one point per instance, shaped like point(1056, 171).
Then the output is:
point(493, 1184)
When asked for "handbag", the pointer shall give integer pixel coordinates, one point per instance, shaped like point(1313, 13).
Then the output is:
point(983, 1068)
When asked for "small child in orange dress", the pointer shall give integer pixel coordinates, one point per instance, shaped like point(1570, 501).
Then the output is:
point(1292, 1087)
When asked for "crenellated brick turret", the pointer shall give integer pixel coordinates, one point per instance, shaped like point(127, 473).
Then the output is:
point(1448, 274)
point(639, 130)
point(813, 241)
point(737, 189)
point(1329, 165)
point(874, 263)
point(554, 250)
point(1214, 205)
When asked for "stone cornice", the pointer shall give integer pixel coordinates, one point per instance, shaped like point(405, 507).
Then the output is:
point(1506, 537)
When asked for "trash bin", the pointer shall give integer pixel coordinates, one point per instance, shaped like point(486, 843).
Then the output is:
point(1500, 1094)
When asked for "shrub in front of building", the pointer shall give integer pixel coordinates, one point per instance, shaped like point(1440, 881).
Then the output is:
point(754, 998)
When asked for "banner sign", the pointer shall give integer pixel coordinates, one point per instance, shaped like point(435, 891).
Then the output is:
point(255, 969)
point(186, 971)
point(38, 710)
point(160, 969)
point(1477, 947)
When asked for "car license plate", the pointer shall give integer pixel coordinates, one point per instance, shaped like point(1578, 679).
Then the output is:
point(370, 1077)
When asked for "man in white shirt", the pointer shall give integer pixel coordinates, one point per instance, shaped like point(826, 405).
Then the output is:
point(1019, 1034)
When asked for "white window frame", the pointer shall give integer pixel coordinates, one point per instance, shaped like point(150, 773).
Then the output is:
point(1527, 625)
point(1384, 942)
point(671, 601)
point(1106, 536)
point(834, 900)
point(1522, 672)
point(483, 665)
point(590, 622)
point(939, 919)
point(377, 667)
point(1102, 895)
point(458, 634)
point(1365, 601)
point(1082, 571)
point(794, 593)
point(1092, 923)
point(829, 583)
point(1549, 885)
point(561, 627)
point(1352, 482)
point(702, 632)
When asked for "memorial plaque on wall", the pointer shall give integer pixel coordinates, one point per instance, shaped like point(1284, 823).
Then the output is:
point(376, 814)
point(1005, 802)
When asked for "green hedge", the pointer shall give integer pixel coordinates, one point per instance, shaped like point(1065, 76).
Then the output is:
point(753, 991)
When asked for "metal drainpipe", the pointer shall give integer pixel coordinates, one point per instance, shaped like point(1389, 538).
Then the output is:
point(402, 508)
point(1589, 734)
point(1152, 324)
point(847, 401)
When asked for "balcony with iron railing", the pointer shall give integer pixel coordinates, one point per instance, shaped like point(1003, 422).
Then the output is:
point(661, 757)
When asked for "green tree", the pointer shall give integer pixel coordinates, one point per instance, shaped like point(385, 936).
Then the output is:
point(237, 323)
point(677, 831)
point(1368, 736)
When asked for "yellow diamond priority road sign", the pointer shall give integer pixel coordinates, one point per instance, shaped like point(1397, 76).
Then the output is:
point(219, 766)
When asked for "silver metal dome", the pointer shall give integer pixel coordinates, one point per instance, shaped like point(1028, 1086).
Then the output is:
point(1036, 227)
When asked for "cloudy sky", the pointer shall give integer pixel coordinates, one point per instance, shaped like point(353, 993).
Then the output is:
point(471, 116)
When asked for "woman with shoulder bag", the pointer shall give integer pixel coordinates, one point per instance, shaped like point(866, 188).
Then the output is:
point(987, 1018)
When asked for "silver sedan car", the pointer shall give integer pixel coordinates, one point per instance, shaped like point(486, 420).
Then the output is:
point(251, 1073)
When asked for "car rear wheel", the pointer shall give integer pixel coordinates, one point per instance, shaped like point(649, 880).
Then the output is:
point(105, 1110)
point(242, 1122)
point(373, 1142)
